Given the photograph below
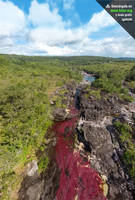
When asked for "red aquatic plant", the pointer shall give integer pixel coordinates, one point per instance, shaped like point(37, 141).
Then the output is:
point(77, 178)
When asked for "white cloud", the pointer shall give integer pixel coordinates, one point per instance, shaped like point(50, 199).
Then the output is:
point(12, 19)
point(56, 36)
point(100, 20)
point(51, 35)
point(41, 15)
point(66, 40)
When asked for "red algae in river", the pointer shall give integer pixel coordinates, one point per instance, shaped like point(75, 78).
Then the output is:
point(77, 179)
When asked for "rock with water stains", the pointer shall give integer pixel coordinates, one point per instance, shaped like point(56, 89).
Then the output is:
point(51, 182)
point(106, 161)
point(31, 189)
point(41, 187)
point(102, 148)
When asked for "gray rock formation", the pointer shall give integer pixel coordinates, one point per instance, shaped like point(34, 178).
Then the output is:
point(106, 153)
point(59, 114)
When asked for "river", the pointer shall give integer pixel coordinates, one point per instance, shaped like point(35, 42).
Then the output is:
point(78, 181)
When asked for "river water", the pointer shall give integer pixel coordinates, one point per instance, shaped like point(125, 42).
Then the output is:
point(88, 78)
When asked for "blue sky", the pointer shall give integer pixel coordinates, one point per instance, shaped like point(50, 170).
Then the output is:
point(61, 27)
point(84, 8)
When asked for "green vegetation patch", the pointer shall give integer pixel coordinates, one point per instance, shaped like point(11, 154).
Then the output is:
point(126, 138)
point(111, 78)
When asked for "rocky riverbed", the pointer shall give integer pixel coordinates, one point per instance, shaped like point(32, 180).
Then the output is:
point(97, 142)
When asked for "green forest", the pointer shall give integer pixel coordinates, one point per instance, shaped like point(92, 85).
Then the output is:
point(27, 86)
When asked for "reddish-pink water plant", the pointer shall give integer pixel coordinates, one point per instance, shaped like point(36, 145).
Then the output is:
point(77, 178)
